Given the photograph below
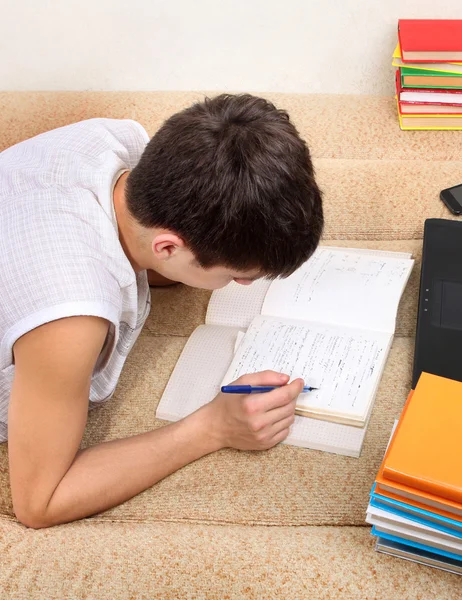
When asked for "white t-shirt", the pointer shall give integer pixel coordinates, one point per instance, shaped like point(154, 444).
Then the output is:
point(60, 253)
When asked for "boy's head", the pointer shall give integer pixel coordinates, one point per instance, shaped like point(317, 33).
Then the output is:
point(232, 181)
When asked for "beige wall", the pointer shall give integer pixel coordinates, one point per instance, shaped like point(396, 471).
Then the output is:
point(327, 46)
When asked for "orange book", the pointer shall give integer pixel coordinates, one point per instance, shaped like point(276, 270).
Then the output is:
point(411, 495)
point(425, 452)
point(402, 493)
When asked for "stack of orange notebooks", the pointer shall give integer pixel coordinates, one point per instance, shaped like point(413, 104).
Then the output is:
point(416, 502)
point(429, 74)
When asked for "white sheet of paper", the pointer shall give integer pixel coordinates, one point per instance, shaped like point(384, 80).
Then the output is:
point(423, 537)
point(342, 286)
point(236, 305)
point(346, 364)
point(378, 516)
point(197, 374)
point(239, 338)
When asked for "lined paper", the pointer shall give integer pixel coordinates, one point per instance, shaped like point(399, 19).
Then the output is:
point(342, 287)
point(345, 364)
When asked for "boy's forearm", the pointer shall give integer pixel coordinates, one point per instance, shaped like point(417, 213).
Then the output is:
point(106, 475)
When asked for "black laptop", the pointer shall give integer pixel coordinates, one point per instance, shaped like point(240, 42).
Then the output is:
point(438, 347)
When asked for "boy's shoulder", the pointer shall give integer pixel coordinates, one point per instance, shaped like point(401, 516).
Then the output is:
point(92, 136)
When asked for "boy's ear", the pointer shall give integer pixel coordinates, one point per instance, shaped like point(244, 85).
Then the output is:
point(166, 245)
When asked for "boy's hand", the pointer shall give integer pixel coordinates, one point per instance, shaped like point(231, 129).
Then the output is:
point(255, 421)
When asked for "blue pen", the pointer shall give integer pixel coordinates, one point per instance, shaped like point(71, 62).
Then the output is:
point(256, 389)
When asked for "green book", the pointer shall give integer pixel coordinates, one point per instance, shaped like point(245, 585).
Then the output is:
point(427, 78)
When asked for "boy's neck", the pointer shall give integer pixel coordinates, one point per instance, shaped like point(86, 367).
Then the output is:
point(127, 233)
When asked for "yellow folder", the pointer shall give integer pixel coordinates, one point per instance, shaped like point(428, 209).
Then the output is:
point(451, 67)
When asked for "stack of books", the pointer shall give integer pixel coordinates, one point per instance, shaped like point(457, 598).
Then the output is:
point(429, 74)
point(415, 506)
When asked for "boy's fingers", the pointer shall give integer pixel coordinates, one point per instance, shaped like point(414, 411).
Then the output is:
point(279, 437)
point(263, 378)
point(281, 425)
point(281, 413)
point(280, 397)
point(297, 386)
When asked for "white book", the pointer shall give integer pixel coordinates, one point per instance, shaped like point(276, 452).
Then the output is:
point(434, 97)
point(386, 522)
point(331, 322)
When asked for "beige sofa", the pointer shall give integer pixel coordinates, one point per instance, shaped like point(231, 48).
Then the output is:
point(287, 523)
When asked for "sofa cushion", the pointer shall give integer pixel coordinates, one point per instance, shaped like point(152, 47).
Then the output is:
point(185, 537)
point(335, 126)
point(168, 561)
point(383, 200)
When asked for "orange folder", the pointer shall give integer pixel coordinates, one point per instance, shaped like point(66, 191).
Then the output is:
point(418, 454)
point(426, 451)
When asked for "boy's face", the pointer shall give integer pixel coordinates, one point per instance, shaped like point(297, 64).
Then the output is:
point(189, 272)
point(176, 262)
point(214, 278)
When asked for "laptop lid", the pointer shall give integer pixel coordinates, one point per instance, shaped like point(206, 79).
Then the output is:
point(438, 347)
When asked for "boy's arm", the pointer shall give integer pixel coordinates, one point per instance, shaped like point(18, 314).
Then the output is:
point(53, 482)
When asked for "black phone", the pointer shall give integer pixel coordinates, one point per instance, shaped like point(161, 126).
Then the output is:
point(452, 197)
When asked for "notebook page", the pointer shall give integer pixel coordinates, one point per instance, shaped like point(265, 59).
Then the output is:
point(346, 287)
point(240, 336)
point(236, 305)
point(197, 377)
point(197, 374)
point(346, 364)
point(371, 252)
point(326, 436)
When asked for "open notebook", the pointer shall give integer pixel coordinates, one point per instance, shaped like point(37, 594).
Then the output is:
point(331, 322)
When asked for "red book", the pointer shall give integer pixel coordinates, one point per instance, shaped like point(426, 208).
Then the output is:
point(430, 40)
point(414, 108)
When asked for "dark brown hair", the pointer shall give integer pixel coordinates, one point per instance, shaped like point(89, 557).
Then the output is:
point(232, 177)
